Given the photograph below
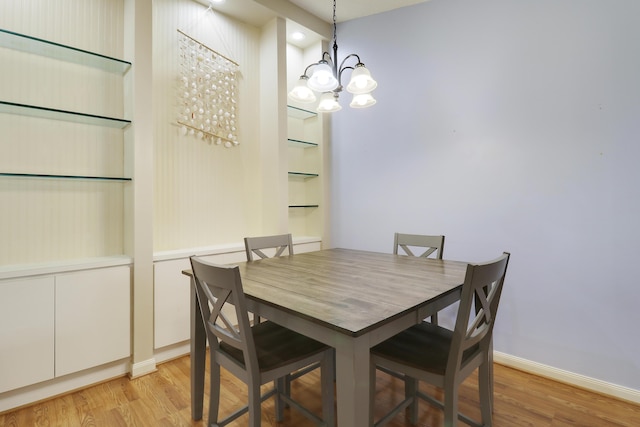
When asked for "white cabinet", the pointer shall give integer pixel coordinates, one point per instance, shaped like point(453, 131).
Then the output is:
point(92, 318)
point(58, 324)
point(171, 302)
point(26, 332)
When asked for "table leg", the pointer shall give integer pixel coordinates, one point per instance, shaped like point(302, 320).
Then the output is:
point(352, 381)
point(198, 348)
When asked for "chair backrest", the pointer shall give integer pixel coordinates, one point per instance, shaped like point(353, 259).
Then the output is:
point(478, 307)
point(218, 286)
point(430, 244)
point(279, 242)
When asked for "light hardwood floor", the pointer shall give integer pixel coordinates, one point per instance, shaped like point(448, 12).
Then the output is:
point(162, 399)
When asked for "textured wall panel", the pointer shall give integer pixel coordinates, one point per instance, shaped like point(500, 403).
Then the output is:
point(204, 193)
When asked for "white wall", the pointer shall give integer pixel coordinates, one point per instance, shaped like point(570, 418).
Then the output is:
point(519, 133)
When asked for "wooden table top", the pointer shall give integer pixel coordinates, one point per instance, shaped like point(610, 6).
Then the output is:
point(350, 291)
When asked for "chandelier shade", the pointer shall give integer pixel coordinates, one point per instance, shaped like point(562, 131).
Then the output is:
point(362, 100)
point(326, 78)
point(301, 91)
point(322, 79)
point(329, 103)
point(361, 81)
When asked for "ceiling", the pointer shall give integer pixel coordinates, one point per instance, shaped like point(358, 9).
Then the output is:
point(259, 12)
point(350, 9)
point(311, 17)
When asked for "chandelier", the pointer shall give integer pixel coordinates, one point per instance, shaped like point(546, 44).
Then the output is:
point(326, 78)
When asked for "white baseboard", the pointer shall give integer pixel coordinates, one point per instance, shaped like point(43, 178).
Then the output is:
point(171, 352)
point(143, 368)
point(567, 377)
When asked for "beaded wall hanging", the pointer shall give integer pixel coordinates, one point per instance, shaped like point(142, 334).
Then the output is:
point(207, 93)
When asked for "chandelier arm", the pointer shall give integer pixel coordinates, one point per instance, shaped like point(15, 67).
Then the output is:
point(324, 54)
point(340, 75)
point(309, 66)
point(345, 60)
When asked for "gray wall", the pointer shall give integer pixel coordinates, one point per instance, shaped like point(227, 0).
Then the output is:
point(508, 125)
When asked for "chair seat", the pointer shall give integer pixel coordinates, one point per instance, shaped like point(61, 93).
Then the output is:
point(424, 346)
point(276, 346)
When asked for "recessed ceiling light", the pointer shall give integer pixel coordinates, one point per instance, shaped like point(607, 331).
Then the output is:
point(297, 35)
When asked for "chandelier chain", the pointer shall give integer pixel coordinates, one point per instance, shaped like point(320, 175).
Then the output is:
point(335, 37)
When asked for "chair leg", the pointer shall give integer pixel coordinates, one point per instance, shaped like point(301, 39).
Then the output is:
point(287, 388)
point(451, 404)
point(434, 318)
point(490, 375)
point(486, 392)
point(411, 389)
point(214, 391)
point(255, 416)
point(327, 376)
point(372, 391)
point(281, 387)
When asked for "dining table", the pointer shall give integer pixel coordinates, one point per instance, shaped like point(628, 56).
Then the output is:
point(348, 299)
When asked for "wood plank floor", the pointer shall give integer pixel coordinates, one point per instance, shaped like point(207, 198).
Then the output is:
point(163, 399)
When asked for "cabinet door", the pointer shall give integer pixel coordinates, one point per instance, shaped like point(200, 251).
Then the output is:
point(307, 247)
point(171, 302)
point(92, 318)
point(26, 332)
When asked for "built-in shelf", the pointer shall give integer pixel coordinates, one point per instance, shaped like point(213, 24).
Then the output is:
point(301, 144)
point(303, 206)
point(69, 116)
point(37, 46)
point(303, 175)
point(54, 176)
point(300, 113)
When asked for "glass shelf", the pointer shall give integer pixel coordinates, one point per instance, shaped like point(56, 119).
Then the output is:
point(302, 175)
point(53, 50)
point(301, 144)
point(303, 206)
point(70, 116)
point(300, 113)
point(53, 176)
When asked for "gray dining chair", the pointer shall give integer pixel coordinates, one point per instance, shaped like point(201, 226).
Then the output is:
point(279, 243)
point(429, 246)
point(443, 357)
point(255, 354)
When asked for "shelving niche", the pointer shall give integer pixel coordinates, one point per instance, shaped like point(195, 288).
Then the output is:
point(304, 169)
point(63, 171)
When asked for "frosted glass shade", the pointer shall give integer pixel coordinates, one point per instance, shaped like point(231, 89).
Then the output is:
point(322, 79)
point(301, 91)
point(361, 81)
point(362, 100)
point(328, 103)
